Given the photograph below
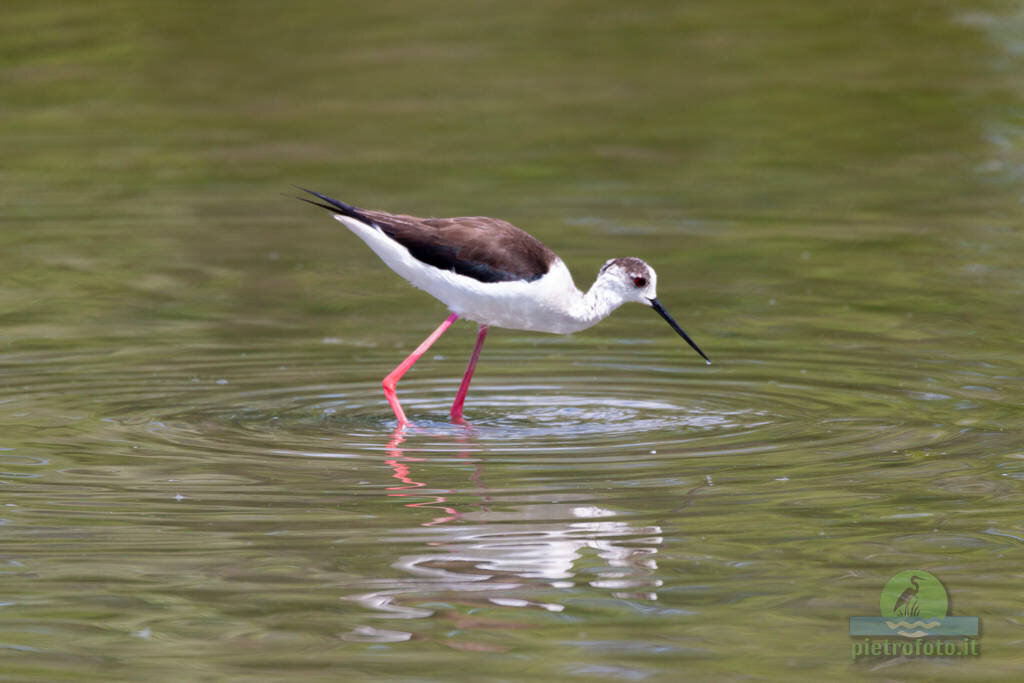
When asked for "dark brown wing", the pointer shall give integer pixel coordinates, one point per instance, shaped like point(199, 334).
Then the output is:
point(485, 249)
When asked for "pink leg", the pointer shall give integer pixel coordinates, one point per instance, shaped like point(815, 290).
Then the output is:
point(392, 379)
point(460, 397)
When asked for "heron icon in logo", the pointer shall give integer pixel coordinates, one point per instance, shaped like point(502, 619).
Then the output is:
point(914, 593)
point(914, 604)
point(907, 604)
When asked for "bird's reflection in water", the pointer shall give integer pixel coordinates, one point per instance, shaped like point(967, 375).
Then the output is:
point(401, 463)
point(524, 553)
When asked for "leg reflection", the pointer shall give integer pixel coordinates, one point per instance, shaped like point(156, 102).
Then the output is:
point(400, 464)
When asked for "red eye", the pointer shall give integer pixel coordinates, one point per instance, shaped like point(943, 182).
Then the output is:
point(640, 281)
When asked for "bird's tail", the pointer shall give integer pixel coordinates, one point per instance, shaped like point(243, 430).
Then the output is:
point(338, 207)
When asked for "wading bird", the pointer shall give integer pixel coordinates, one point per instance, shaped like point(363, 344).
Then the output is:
point(906, 605)
point(491, 272)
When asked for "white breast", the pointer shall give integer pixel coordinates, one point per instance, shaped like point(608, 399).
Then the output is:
point(543, 305)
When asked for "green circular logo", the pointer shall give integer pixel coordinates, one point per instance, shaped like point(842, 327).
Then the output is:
point(914, 593)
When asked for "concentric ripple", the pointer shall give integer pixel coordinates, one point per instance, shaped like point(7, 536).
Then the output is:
point(582, 481)
point(632, 400)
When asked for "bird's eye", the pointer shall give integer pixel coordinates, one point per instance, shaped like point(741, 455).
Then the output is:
point(640, 281)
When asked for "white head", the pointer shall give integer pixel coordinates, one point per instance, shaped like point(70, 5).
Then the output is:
point(630, 279)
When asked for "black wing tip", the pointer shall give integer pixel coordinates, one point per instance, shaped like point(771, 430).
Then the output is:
point(310, 201)
point(335, 206)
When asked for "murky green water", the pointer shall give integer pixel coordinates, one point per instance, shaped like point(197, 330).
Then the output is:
point(200, 478)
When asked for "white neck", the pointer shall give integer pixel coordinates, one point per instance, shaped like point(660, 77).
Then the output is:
point(597, 304)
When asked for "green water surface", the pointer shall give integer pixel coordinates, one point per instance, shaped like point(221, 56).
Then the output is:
point(199, 476)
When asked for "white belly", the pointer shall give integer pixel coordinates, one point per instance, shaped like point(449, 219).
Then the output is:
point(543, 305)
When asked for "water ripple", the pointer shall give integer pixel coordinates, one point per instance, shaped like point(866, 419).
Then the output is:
point(653, 402)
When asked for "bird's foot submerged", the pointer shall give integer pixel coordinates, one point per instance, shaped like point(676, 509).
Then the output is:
point(390, 382)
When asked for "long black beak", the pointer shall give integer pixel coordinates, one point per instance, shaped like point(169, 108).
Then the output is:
point(675, 326)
